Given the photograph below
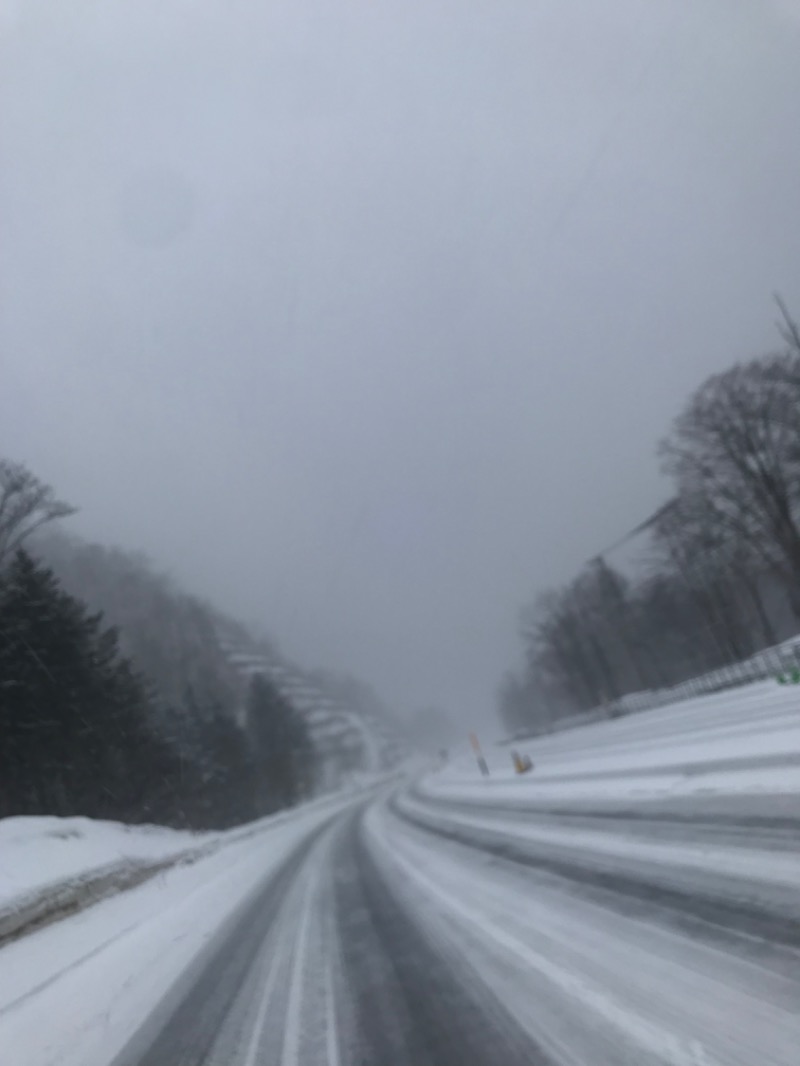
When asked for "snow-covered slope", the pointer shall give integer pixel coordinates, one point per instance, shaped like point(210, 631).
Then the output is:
point(348, 738)
point(744, 740)
point(54, 865)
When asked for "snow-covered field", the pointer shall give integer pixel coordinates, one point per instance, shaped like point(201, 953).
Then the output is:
point(634, 901)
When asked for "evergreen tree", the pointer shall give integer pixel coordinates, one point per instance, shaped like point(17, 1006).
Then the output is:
point(75, 736)
point(284, 751)
point(231, 773)
point(214, 786)
point(81, 733)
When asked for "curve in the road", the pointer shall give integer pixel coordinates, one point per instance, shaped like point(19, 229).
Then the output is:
point(394, 939)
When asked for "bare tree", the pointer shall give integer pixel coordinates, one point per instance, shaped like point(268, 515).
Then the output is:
point(727, 553)
point(722, 575)
point(26, 504)
point(788, 328)
point(670, 626)
point(553, 649)
point(522, 704)
point(736, 448)
point(566, 645)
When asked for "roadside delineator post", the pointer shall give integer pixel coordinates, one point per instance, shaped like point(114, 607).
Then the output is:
point(476, 747)
point(522, 763)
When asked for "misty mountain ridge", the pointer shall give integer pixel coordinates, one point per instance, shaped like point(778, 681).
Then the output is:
point(197, 659)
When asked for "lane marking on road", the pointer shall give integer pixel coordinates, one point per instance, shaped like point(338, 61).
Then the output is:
point(284, 938)
point(332, 1028)
point(273, 969)
point(294, 1008)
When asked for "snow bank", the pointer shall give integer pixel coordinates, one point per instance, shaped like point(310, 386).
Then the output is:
point(76, 992)
point(742, 741)
point(38, 852)
point(52, 867)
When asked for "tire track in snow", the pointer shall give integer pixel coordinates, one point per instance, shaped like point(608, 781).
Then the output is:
point(660, 993)
point(708, 901)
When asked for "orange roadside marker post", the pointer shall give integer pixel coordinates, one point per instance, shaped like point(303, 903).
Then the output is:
point(476, 747)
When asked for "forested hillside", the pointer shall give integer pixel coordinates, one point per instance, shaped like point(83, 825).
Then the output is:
point(122, 696)
point(171, 636)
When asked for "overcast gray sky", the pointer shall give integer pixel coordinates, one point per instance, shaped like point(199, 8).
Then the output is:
point(363, 318)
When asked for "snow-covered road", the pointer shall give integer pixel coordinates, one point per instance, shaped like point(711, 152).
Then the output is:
point(455, 920)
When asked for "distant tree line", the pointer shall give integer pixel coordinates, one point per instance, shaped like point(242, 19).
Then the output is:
point(724, 574)
point(84, 732)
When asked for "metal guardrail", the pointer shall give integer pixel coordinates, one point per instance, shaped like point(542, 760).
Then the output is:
point(770, 663)
point(781, 660)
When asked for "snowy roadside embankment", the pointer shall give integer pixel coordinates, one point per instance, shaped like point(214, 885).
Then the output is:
point(131, 953)
point(678, 827)
point(693, 807)
point(50, 867)
point(53, 867)
point(743, 742)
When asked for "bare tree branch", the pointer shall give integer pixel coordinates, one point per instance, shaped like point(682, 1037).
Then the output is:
point(26, 504)
point(788, 328)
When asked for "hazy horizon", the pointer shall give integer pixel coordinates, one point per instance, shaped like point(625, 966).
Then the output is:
point(364, 322)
